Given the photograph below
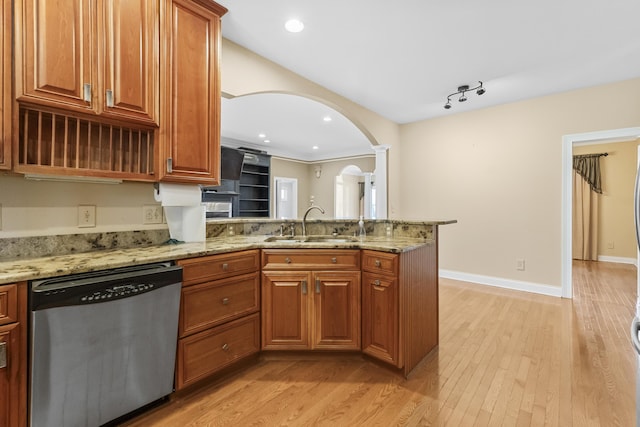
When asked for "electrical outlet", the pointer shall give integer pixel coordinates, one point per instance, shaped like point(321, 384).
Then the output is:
point(86, 216)
point(152, 214)
point(520, 264)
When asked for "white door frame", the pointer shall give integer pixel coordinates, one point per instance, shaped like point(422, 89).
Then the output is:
point(294, 196)
point(567, 191)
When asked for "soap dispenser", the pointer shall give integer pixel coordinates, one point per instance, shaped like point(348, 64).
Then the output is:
point(362, 233)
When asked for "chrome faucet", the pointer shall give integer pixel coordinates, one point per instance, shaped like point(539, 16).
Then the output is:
point(304, 218)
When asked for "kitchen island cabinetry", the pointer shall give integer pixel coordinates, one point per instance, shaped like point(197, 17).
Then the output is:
point(13, 355)
point(190, 96)
point(219, 314)
point(400, 305)
point(311, 299)
point(6, 98)
point(97, 57)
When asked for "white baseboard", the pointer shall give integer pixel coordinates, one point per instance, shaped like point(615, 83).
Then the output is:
point(621, 260)
point(518, 285)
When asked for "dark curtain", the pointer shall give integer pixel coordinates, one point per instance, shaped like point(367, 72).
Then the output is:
point(588, 167)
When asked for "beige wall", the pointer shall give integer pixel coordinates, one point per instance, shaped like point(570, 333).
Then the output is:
point(498, 171)
point(40, 208)
point(320, 188)
point(616, 232)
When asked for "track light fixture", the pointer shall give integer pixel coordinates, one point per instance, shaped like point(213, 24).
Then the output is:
point(462, 90)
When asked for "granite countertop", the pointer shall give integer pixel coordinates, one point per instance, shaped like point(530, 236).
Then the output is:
point(21, 269)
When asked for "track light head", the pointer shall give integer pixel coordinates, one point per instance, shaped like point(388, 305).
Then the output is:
point(462, 91)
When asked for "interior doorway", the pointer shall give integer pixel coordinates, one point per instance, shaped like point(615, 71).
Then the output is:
point(568, 142)
point(285, 197)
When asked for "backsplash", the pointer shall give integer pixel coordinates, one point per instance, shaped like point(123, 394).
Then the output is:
point(30, 247)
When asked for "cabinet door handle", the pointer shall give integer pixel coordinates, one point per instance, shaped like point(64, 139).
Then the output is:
point(378, 263)
point(86, 93)
point(3, 354)
point(225, 301)
point(376, 282)
point(334, 260)
point(109, 97)
point(287, 260)
point(225, 266)
point(304, 287)
point(169, 165)
point(317, 286)
point(225, 347)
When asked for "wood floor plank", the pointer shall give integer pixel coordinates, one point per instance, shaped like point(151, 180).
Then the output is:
point(505, 358)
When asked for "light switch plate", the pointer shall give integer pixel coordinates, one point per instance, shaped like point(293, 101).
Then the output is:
point(86, 216)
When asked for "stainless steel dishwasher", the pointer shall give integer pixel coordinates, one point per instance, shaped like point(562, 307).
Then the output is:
point(102, 344)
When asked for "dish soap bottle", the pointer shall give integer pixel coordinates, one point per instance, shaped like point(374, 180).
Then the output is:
point(362, 233)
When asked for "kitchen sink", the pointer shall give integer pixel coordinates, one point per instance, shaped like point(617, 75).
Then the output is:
point(311, 239)
point(291, 239)
point(331, 239)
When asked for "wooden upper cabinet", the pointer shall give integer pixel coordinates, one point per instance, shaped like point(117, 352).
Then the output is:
point(190, 93)
point(89, 56)
point(131, 61)
point(6, 100)
point(54, 42)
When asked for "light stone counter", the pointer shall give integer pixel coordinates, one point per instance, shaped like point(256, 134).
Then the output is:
point(39, 257)
point(19, 269)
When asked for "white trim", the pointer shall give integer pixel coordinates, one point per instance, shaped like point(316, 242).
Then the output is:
point(617, 259)
point(516, 285)
point(568, 142)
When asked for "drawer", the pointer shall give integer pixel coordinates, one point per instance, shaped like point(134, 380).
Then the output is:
point(207, 352)
point(8, 304)
point(211, 303)
point(310, 259)
point(198, 270)
point(380, 262)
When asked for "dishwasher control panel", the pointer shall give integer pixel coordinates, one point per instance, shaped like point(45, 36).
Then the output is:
point(102, 286)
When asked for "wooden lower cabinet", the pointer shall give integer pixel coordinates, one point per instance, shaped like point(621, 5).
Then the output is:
point(310, 310)
point(205, 353)
point(13, 355)
point(219, 314)
point(400, 305)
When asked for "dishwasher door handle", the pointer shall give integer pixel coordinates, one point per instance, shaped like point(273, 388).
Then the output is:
point(635, 328)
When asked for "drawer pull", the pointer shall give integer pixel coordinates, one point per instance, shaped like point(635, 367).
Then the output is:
point(378, 263)
point(225, 266)
point(225, 301)
point(225, 347)
point(3, 355)
point(304, 287)
point(334, 260)
point(317, 286)
point(376, 282)
point(287, 260)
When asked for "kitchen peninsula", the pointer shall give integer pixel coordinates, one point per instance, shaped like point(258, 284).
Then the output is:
point(377, 295)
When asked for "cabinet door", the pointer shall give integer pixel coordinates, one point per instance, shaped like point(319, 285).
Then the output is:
point(10, 389)
point(5, 83)
point(285, 310)
point(190, 146)
point(380, 323)
point(336, 297)
point(54, 52)
point(131, 59)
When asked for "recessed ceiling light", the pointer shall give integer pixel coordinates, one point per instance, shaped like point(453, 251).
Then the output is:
point(315, 147)
point(294, 25)
point(327, 118)
point(266, 141)
point(261, 135)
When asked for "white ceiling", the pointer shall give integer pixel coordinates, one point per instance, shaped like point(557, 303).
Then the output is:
point(401, 59)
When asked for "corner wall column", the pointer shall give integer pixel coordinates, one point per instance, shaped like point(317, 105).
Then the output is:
point(381, 180)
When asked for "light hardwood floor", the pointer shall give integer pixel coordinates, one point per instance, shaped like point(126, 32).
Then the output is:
point(505, 358)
